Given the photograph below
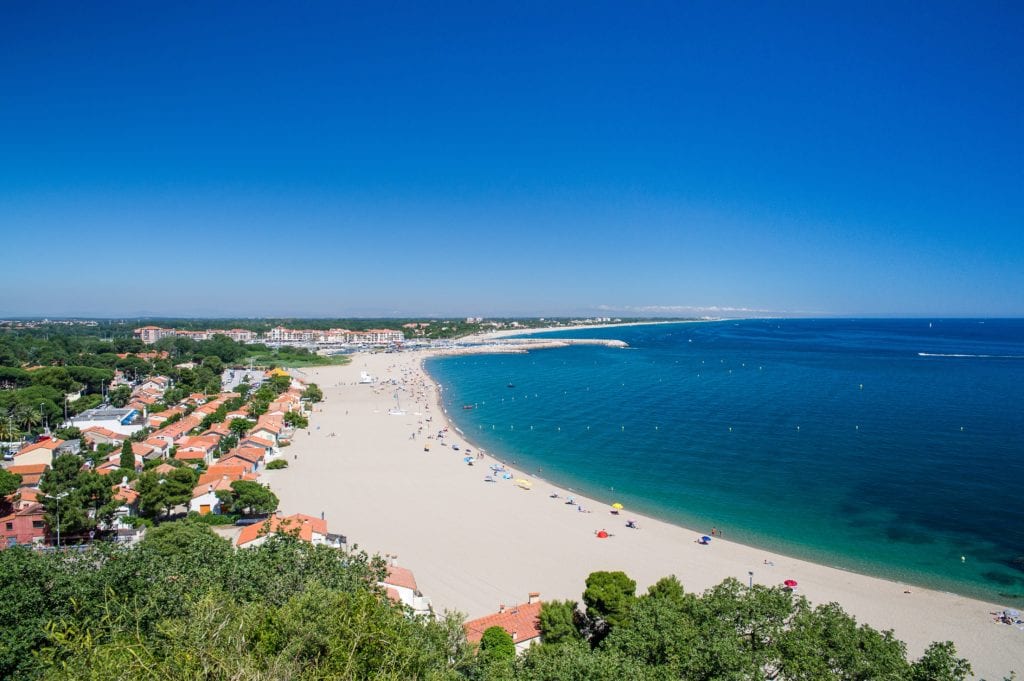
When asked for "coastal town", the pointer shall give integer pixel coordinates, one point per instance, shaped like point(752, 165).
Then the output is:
point(184, 429)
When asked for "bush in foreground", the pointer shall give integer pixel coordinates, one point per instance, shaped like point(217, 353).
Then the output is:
point(183, 604)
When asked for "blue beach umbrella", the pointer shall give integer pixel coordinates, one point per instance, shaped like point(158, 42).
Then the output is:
point(706, 539)
point(1010, 612)
point(467, 458)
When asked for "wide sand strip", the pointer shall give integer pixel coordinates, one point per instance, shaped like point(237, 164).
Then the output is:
point(474, 544)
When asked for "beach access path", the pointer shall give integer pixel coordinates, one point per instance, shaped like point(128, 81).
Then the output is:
point(474, 545)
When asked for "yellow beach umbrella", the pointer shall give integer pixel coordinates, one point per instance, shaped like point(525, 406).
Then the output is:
point(617, 506)
point(523, 483)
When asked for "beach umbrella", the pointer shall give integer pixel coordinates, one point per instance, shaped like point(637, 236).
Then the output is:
point(522, 481)
point(467, 458)
point(602, 535)
point(791, 583)
point(617, 506)
point(1010, 612)
point(705, 539)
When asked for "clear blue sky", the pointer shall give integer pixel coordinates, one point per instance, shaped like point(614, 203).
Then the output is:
point(323, 159)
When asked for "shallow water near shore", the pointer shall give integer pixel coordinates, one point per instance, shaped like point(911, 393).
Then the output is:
point(890, 447)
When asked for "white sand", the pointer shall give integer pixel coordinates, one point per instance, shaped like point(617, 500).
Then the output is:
point(473, 545)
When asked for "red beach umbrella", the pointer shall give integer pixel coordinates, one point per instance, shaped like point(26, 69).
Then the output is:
point(602, 535)
point(791, 583)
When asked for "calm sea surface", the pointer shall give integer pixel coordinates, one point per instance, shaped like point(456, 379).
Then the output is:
point(891, 447)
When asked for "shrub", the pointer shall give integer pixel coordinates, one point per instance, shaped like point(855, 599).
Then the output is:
point(277, 464)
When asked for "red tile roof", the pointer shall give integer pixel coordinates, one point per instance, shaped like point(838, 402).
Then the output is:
point(520, 621)
point(51, 445)
point(306, 525)
point(400, 576)
point(29, 469)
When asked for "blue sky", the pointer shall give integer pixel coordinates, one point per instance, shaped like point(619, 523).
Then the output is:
point(335, 159)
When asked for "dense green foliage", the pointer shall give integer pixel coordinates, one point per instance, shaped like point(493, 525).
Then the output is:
point(183, 604)
point(9, 482)
point(247, 497)
point(77, 500)
point(160, 493)
point(277, 464)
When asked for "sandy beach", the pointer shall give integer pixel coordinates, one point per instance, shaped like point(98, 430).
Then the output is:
point(474, 545)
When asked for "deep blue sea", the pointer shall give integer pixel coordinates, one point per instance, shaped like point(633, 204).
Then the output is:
point(890, 447)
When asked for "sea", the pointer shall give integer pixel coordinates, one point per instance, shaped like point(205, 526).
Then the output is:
point(891, 447)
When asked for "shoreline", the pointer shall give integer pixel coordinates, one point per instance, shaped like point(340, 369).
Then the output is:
point(493, 531)
point(505, 333)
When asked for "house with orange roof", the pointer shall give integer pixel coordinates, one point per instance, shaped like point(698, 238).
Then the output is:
point(244, 455)
point(204, 496)
point(218, 430)
point(129, 499)
point(178, 429)
point(306, 527)
point(139, 406)
point(231, 471)
point(26, 496)
point(160, 447)
point(155, 420)
point(163, 469)
point(30, 474)
point(202, 445)
point(156, 384)
point(520, 621)
point(400, 586)
point(267, 428)
point(268, 447)
point(26, 525)
point(95, 436)
point(43, 451)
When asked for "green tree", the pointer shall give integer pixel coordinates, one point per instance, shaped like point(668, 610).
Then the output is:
point(9, 483)
point(608, 597)
point(69, 433)
point(940, 663)
point(120, 395)
point(248, 497)
point(241, 426)
point(496, 645)
point(127, 456)
point(313, 393)
point(558, 622)
point(296, 420)
point(160, 494)
point(826, 643)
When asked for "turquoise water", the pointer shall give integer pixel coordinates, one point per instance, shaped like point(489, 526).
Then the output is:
point(891, 447)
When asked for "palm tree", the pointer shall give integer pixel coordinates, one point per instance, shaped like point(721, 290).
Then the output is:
point(8, 430)
point(27, 416)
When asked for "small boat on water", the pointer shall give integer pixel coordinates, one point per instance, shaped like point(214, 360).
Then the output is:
point(511, 385)
point(468, 406)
